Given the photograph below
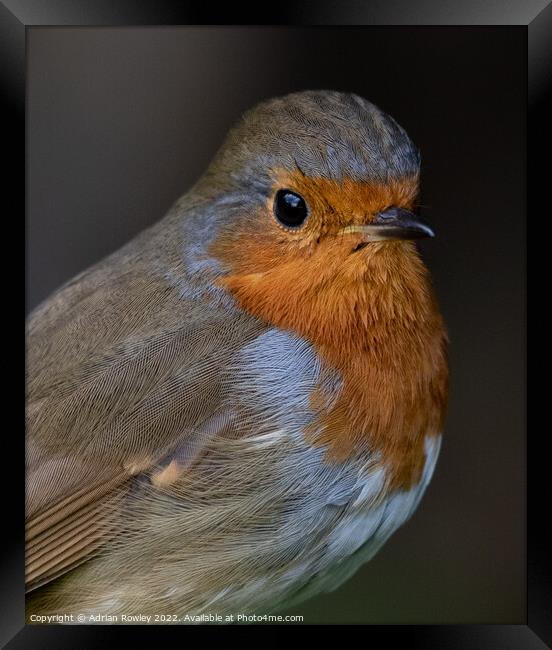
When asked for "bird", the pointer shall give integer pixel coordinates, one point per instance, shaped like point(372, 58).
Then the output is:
point(237, 409)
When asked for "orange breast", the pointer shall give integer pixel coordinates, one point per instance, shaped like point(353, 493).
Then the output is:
point(372, 316)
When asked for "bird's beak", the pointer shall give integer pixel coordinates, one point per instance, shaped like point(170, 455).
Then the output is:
point(393, 223)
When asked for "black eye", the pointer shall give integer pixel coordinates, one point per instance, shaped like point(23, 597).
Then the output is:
point(290, 209)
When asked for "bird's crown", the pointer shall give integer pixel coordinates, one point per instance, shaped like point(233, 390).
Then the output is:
point(325, 134)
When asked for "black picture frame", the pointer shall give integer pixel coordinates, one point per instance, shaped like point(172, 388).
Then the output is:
point(18, 16)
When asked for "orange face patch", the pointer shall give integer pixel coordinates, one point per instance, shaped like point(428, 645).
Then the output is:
point(333, 204)
point(370, 314)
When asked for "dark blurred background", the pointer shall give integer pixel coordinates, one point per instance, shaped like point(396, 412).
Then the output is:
point(121, 121)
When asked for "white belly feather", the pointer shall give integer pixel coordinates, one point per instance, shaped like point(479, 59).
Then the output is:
point(356, 512)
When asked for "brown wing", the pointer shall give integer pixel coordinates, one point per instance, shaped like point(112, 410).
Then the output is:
point(74, 521)
point(122, 373)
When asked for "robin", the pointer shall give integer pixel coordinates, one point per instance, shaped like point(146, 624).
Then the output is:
point(236, 410)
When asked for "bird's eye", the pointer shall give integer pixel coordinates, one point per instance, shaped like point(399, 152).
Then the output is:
point(290, 209)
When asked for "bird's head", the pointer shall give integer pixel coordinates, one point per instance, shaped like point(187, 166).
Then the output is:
point(313, 218)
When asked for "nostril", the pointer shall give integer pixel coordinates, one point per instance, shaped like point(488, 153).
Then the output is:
point(387, 214)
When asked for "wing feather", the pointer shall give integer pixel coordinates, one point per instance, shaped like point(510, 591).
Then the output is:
point(124, 374)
